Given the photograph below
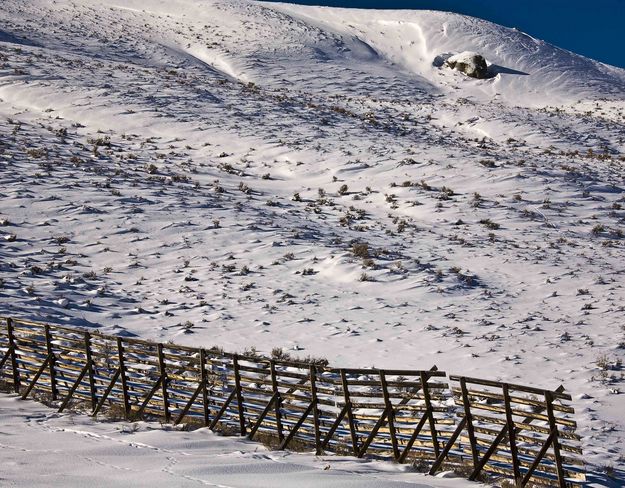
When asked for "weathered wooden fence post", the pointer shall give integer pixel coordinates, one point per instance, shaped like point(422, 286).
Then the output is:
point(427, 416)
point(278, 399)
point(164, 381)
point(469, 420)
point(424, 377)
point(12, 348)
point(87, 368)
point(350, 414)
point(556, 441)
point(511, 434)
point(51, 362)
point(239, 395)
point(204, 376)
point(313, 392)
point(122, 374)
point(90, 371)
point(391, 414)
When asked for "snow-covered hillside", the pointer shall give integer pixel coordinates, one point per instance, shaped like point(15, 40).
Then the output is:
point(267, 175)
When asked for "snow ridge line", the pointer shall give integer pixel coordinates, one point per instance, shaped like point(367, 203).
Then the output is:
point(403, 414)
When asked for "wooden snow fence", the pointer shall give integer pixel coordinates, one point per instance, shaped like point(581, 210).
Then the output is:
point(520, 432)
point(513, 432)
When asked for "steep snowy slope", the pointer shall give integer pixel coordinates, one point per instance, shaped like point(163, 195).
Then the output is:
point(268, 175)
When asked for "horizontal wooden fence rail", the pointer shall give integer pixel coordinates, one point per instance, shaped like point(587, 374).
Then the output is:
point(508, 431)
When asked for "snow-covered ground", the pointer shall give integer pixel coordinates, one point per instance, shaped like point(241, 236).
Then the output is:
point(40, 448)
point(200, 171)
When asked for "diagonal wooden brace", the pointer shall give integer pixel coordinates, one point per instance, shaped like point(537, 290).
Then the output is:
point(374, 431)
point(491, 450)
point(413, 438)
point(75, 386)
point(296, 427)
point(335, 426)
point(109, 388)
point(186, 408)
point(36, 378)
point(448, 446)
point(222, 410)
point(255, 427)
point(6, 356)
point(149, 396)
point(539, 456)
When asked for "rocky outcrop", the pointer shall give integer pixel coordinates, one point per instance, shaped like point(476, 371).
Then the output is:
point(469, 63)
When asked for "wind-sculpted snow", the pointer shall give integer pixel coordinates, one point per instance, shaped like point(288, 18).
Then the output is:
point(528, 71)
point(268, 175)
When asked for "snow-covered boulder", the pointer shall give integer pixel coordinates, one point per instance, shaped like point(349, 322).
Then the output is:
point(470, 63)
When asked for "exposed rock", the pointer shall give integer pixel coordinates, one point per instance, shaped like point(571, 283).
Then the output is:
point(470, 63)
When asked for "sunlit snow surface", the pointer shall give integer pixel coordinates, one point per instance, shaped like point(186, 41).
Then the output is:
point(174, 170)
point(42, 449)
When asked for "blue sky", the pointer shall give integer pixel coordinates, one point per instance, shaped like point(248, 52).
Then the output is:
point(593, 28)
